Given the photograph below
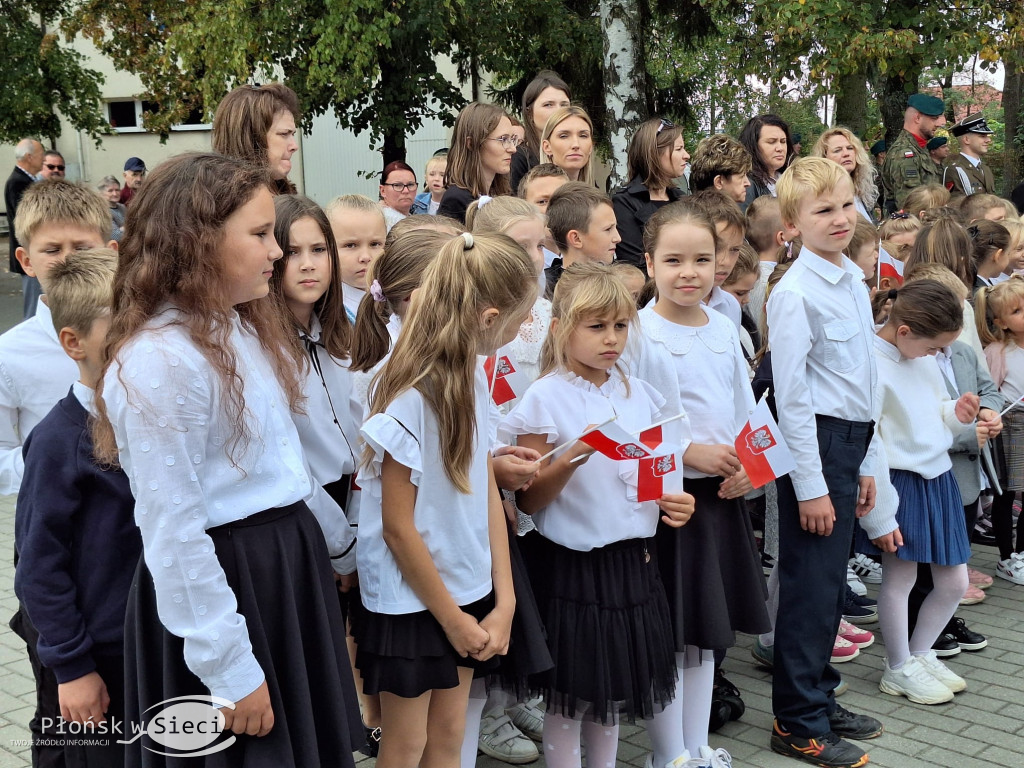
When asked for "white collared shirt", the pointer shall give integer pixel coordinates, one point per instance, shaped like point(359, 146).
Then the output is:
point(820, 331)
point(173, 437)
point(34, 375)
point(727, 304)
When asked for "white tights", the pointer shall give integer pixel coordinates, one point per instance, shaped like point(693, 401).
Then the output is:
point(898, 578)
point(563, 737)
point(681, 729)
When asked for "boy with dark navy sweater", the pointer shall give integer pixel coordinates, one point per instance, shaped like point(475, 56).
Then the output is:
point(75, 533)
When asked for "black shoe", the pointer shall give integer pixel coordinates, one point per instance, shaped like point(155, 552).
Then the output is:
point(725, 691)
point(965, 638)
point(372, 745)
point(848, 725)
point(829, 750)
point(859, 610)
point(983, 539)
point(946, 645)
point(721, 713)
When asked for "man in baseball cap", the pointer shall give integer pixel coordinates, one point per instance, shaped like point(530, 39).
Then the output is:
point(134, 174)
point(965, 172)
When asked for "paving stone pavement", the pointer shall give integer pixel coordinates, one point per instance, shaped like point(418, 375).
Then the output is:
point(984, 727)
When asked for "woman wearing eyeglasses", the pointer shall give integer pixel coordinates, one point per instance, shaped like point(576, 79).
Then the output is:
point(654, 160)
point(479, 159)
point(397, 192)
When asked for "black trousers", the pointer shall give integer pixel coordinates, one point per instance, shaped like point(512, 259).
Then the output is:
point(812, 583)
point(44, 755)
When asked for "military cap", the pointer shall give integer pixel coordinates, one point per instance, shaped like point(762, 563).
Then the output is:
point(878, 147)
point(935, 143)
point(971, 124)
point(932, 106)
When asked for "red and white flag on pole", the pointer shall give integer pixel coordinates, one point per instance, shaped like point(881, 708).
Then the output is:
point(761, 449)
point(657, 476)
point(617, 444)
point(507, 382)
point(889, 266)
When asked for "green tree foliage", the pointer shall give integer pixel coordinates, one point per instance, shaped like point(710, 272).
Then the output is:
point(43, 75)
point(374, 65)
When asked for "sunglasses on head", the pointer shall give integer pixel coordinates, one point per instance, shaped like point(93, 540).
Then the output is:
point(665, 124)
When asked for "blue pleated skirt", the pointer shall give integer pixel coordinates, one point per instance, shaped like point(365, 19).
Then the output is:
point(931, 519)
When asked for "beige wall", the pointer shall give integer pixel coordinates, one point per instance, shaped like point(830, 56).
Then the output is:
point(90, 163)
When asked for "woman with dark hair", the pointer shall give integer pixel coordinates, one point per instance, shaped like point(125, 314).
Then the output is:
point(397, 191)
point(545, 95)
point(478, 161)
point(256, 123)
point(655, 159)
point(768, 141)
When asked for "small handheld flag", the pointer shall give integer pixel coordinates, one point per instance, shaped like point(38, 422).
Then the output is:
point(889, 266)
point(761, 448)
point(508, 383)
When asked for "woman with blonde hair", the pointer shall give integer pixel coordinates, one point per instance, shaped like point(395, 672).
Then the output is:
point(568, 142)
point(839, 144)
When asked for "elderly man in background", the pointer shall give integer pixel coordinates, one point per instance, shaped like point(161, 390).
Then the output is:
point(28, 161)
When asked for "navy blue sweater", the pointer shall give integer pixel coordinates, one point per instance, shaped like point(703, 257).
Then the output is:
point(77, 542)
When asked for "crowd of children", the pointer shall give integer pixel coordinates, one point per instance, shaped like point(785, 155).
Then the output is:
point(426, 484)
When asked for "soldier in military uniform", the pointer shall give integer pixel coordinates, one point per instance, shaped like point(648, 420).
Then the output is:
point(938, 150)
point(965, 173)
point(907, 162)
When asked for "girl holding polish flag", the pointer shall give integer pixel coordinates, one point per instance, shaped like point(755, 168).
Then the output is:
point(594, 565)
point(711, 568)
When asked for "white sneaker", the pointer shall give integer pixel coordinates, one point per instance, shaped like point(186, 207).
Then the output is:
point(683, 761)
point(942, 673)
point(500, 739)
point(715, 758)
point(528, 717)
point(869, 571)
point(914, 681)
point(855, 583)
point(1012, 568)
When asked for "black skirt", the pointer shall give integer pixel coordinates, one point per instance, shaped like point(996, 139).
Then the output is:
point(276, 563)
point(712, 571)
point(408, 654)
point(528, 652)
point(608, 627)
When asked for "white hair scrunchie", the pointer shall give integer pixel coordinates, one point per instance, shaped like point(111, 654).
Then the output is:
point(468, 238)
point(484, 200)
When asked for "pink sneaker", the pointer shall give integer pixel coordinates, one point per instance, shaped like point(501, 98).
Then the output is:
point(972, 596)
point(843, 650)
point(978, 579)
point(859, 637)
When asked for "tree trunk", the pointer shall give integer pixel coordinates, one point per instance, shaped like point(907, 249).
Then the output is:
point(393, 145)
point(893, 91)
point(624, 80)
point(1013, 102)
point(851, 105)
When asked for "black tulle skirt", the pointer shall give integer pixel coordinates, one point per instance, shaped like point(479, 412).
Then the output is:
point(608, 628)
point(408, 654)
point(276, 563)
point(712, 571)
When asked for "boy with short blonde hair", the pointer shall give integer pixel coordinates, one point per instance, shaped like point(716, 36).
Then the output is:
point(55, 219)
point(821, 334)
point(766, 235)
point(75, 530)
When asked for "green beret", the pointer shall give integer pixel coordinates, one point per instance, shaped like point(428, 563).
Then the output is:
point(878, 147)
point(935, 143)
point(932, 106)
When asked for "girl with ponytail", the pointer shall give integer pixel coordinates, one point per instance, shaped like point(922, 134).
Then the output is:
point(433, 558)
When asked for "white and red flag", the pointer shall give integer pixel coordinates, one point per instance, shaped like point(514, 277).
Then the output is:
point(761, 449)
point(508, 383)
point(889, 266)
point(617, 444)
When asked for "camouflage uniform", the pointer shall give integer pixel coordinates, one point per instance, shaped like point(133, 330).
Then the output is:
point(961, 177)
point(907, 165)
